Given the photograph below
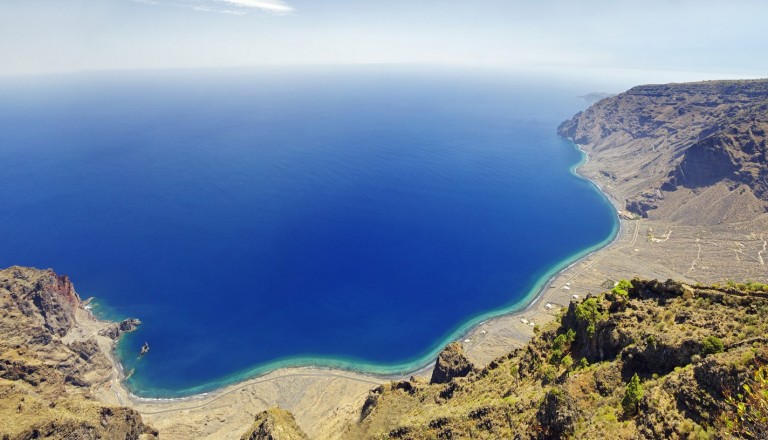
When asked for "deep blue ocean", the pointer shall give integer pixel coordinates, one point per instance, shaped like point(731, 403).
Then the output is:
point(358, 218)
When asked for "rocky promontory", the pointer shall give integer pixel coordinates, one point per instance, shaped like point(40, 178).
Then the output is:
point(48, 367)
point(451, 363)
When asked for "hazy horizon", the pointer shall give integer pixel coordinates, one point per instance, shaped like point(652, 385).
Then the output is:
point(620, 44)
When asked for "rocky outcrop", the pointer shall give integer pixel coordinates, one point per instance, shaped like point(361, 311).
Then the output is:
point(451, 363)
point(274, 424)
point(640, 353)
point(144, 349)
point(45, 382)
point(657, 139)
point(115, 330)
point(370, 401)
point(50, 300)
point(557, 416)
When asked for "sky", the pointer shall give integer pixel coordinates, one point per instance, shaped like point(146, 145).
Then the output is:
point(654, 40)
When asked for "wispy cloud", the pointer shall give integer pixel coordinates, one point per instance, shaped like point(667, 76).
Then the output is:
point(277, 6)
point(237, 7)
point(220, 11)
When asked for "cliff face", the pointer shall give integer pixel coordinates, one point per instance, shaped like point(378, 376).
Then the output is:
point(48, 300)
point(46, 371)
point(692, 348)
point(656, 140)
point(451, 363)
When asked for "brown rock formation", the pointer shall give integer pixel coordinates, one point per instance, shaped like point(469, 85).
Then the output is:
point(50, 300)
point(115, 330)
point(45, 381)
point(451, 363)
point(274, 424)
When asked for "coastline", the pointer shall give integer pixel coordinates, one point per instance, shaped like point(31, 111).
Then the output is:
point(484, 338)
point(417, 367)
point(326, 400)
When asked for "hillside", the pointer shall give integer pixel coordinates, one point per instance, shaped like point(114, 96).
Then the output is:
point(47, 367)
point(687, 164)
point(658, 140)
point(692, 348)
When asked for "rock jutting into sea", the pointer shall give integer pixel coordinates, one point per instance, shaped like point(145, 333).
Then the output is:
point(50, 363)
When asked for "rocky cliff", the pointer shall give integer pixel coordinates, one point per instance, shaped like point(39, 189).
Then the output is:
point(658, 140)
point(688, 350)
point(47, 368)
point(451, 363)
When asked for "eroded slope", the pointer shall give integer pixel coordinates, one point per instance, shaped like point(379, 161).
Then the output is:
point(655, 140)
point(46, 372)
point(691, 348)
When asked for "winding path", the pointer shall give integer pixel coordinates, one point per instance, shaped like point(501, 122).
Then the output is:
point(698, 257)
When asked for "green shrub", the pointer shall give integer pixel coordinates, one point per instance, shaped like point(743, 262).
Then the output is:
point(750, 418)
point(566, 362)
point(757, 287)
point(560, 347)
point(632, 395)
point(589, 312)
point(711, 345)
point(559, 342)
point(514, 370)
point(549, 374)
point(622, 288)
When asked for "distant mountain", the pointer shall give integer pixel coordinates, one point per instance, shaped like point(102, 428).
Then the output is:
point(593, 97)
point(658, 140)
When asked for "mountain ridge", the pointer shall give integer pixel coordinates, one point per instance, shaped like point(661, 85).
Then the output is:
point(720, 125)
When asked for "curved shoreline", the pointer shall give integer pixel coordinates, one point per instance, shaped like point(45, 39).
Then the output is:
point(379, 373)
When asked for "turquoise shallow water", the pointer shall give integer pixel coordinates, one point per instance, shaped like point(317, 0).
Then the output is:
point(256, 219)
